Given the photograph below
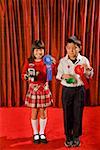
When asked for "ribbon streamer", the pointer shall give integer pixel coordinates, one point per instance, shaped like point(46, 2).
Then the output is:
point(80, 70)
point(48, 61)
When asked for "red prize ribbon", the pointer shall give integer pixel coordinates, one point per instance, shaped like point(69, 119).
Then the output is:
point(80, 70)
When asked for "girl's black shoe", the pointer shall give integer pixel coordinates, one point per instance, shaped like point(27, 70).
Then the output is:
point(36, 140)
point(43, 139)
point(68, 143)
point(76, 142)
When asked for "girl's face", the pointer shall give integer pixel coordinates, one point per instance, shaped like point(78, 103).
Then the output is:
point(71, 50)
point(38, 53)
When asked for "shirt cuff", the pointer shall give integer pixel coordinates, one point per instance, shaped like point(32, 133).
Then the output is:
point(58, 77)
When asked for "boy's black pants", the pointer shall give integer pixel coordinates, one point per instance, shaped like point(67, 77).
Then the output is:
point(73, 104)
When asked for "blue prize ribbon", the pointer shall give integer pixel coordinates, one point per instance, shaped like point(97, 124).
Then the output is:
point(48, 61)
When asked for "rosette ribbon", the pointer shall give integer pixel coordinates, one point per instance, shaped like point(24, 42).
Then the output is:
point(48, 61)
point(80, 71)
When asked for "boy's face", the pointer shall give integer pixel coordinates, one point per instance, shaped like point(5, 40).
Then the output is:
point(77, 48)
point(71, 50)
point(38, 53)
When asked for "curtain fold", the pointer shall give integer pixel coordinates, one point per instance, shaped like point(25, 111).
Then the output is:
point(53, 21)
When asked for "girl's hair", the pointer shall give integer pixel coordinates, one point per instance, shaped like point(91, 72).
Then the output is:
point(38, 44)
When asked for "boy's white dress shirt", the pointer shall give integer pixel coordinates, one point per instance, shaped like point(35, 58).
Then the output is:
point(66, 66)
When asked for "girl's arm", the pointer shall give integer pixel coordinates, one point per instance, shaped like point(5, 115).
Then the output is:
point(24, 71)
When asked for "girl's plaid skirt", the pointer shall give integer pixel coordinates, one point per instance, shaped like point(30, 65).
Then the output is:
point(38, 96)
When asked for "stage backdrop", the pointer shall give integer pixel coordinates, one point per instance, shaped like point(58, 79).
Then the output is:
point(53, 21)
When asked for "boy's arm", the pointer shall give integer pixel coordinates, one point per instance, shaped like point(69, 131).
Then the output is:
point(88, 70)
point(59, 71)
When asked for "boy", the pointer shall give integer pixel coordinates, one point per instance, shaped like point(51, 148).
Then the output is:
point(73, 90)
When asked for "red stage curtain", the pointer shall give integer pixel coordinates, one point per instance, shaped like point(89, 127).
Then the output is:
point(23, 21)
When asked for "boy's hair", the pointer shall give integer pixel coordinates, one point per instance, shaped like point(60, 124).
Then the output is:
point(38, 44)
point(74, 39)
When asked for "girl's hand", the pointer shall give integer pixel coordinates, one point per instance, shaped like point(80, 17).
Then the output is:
point(53, 60)
point(26, 77)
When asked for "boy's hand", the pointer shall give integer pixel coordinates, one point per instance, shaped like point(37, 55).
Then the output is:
point(87, 70)
point(86, 67)
point(67, 76)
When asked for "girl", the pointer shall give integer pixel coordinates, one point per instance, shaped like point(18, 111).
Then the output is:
point(38, 96)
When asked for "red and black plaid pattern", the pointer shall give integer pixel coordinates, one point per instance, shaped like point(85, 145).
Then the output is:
point(38, 96)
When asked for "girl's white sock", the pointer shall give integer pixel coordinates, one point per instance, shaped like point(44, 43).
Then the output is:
point(35, 126)
point(42, 125)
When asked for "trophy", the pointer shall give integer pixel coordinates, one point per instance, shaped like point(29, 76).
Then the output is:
point(80, 71)
point(48, 61)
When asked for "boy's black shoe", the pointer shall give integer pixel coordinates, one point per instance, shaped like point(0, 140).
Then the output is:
point(36, 140)
point(76, 142)
point(43, 139)
point(68, 143)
